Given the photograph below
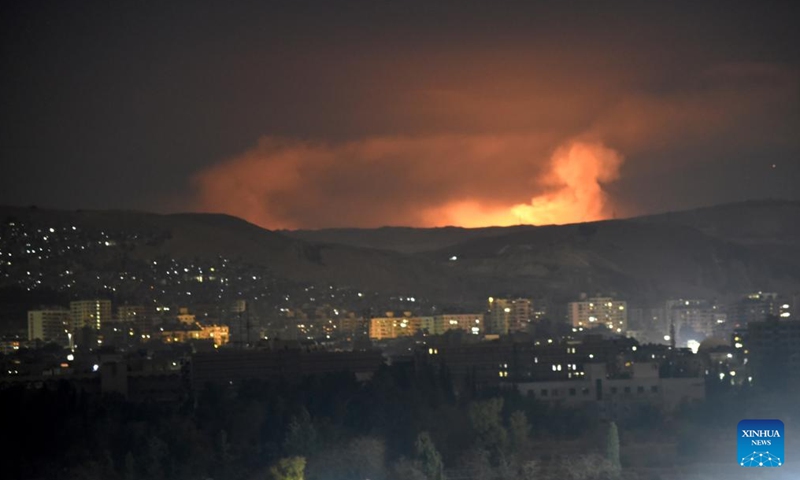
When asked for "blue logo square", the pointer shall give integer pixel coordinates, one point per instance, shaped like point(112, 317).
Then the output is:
point(760, 443)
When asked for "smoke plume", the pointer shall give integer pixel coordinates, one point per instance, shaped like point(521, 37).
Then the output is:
point(470, 181)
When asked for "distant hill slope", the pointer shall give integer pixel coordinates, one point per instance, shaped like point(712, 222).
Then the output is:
point(708, 251)
point(636, 259)
point(713, 251)
point(401, 239)
point(775, 222)
point(211, 235)
point(767, 223)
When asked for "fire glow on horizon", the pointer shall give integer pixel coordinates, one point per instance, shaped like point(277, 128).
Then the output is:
point(470, 143)
point(422, 182)
point(574, 193)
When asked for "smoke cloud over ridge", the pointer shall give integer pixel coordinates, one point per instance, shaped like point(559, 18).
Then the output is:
point(425, 181)
point(579, 171)
point(516, 145)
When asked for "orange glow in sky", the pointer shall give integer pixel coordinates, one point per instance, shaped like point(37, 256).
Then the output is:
point(578, 172)
point(573, 194)
point(482, 139)
point(468, 181)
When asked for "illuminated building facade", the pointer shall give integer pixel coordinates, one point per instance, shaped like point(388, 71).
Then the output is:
point(694, 319)
point(89, 313)
point(390, 326)
point(469, 322)
point(49, 325)
point(383, 328)
point(596, 311)
point(219, 334)
point(508, 315)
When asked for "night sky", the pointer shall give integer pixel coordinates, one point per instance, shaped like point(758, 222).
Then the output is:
point(318, 114)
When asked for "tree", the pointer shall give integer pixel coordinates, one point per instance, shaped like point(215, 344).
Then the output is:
point(585, 467)
point(290, 468)
point(612, 446)
point(518, 430)
point(475, 461)
point(405, 469)
point(363, 457)
point(529, 470)
point(302, 437)
point(429, 458)
point(486, 421)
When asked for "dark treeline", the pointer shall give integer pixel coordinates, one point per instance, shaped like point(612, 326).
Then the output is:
point(405, 423)
point(401, 424)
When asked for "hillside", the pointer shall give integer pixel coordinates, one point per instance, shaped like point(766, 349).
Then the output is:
point(714, 251)
point(641, 260)
point(402, 239)
point(209, 236)
point(773, 222)
point(772, 225)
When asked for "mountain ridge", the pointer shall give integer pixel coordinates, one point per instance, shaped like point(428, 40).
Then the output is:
point(711, 251)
